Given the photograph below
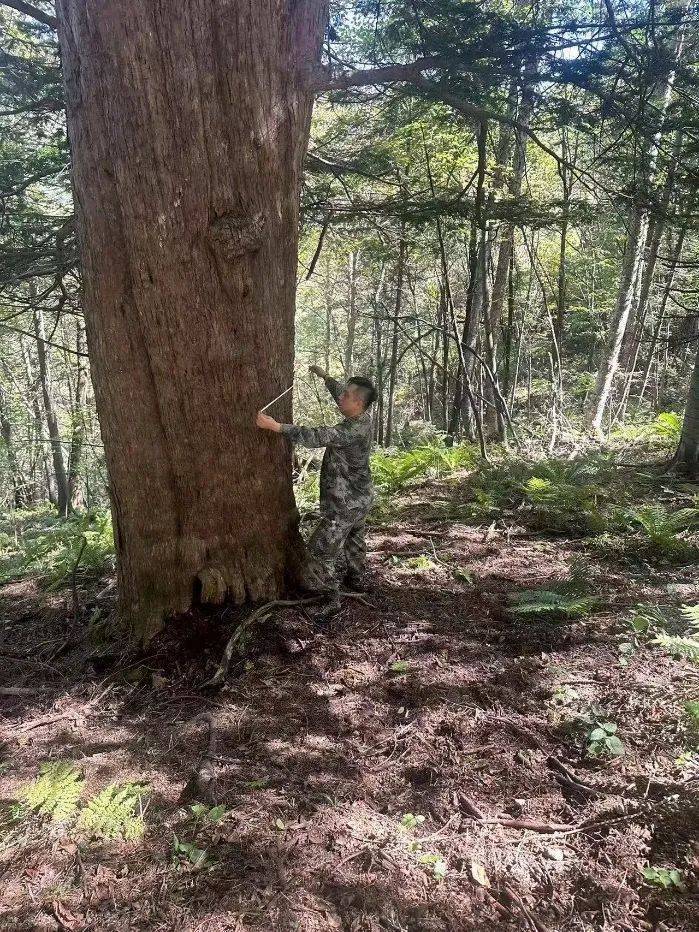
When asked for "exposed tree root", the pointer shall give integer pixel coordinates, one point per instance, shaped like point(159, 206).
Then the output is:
point(260, 615)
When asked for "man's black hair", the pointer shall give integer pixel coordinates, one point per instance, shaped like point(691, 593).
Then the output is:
point(366, 387)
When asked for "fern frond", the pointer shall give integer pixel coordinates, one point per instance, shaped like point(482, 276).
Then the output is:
point(679, 646)
point(112, 813)
point(691, 613)
point(55, 791)
point(548, 601)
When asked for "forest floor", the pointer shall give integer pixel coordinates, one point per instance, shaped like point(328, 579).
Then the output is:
point(425, 762)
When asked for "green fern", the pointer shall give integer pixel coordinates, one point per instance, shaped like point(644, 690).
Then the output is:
point(691, 613)
point(678, 646)
point(552, 603)
point(112, 813)
point(55, 791)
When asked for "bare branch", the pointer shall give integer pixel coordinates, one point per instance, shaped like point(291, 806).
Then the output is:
point(32, 12)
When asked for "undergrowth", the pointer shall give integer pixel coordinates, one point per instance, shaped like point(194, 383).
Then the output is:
point(114, 812)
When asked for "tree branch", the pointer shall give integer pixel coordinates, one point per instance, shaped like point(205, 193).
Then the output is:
point(367, 77)
point(32, 12)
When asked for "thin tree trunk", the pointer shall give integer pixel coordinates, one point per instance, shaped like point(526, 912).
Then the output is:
point(393, 365)
point(188, 124)
point(77, 440)
point(632, 264)
point(661, 313)
point(686, 459)
point(59, 469)
point(352, 312)
point(19, 485)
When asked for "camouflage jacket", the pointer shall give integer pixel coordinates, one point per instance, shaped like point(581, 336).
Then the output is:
point(345, 477)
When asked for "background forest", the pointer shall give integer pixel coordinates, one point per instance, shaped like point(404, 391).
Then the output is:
point(498, 226)
point(508, 250)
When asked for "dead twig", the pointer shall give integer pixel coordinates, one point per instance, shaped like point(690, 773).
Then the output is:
point(567, 778)
point(535, 923)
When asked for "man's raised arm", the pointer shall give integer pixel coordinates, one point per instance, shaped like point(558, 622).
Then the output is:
point(334, 387)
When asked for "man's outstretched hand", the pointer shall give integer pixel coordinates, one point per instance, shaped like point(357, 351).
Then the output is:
point(316, 370)
point(265, 422)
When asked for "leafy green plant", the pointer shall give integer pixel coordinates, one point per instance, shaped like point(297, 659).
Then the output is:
point(550, 603)
point(55, 792)
point(645, 620)
point(412, 564)
point(687, 647)
point(667, 426)
point(115, 812)
point(208, 814)
point(603, 741)
point(660, 530)
point(436, 862)
point(48, 549)
point(667, 878)
point(189, 851)
point(399, 666)
point(411, 821)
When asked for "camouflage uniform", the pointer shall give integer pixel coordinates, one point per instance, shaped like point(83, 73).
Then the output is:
point(346, 494)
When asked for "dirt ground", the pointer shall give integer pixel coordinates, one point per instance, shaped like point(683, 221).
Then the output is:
point(414, 765)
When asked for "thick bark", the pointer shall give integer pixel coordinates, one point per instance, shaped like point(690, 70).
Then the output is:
point(188, 125)
point(59, 467)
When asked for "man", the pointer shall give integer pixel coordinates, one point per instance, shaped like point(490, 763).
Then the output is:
point(346, 490)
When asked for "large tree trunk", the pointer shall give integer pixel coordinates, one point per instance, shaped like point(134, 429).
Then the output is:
point(188, 124)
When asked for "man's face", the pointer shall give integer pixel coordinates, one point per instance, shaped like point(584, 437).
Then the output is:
point(351, 402)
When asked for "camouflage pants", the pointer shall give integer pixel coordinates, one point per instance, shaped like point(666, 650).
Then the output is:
point(336, 547)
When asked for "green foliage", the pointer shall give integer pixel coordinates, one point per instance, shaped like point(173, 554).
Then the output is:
point(113, 812)
point(413, 564)
point(659, 530)
point(399, 667)
point(392, 471)
point(667, 878)
point(434, 861)
point(189, 850)
point(691, 708)
point(603, 741)
point(48, 547)
point(208, 814)
point(411, 821)
point(686, 647)
point(667, 426)
point(55, 792)
point(550, 603)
